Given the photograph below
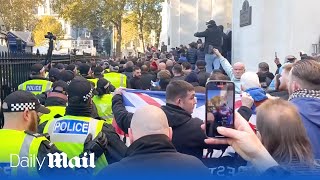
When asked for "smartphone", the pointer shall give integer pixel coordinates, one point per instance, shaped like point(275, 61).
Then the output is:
point(220, 102)
point(276, 55)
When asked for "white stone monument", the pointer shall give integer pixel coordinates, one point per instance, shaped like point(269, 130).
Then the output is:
point(283, 26)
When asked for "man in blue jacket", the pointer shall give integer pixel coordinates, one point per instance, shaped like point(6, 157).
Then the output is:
point(304, 90)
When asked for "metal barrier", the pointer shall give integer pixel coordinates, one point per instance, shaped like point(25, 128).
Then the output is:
point(15, 69)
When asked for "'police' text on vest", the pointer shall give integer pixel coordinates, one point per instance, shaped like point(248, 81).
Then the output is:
point(34, 88)
point(71, 127)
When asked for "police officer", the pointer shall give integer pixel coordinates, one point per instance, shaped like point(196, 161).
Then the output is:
point(66, 76)
point(103, 100)
point(69, 132)
point(86, 72)
point(19, 142)
point(115, 78)
point(98, 73)
point(56, 101)
point(38, 83)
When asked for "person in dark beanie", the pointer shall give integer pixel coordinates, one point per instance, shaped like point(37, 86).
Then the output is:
point(54, 74)
point(59, 66)
point(66, 76)
point(85, 71)
point(78, 113)
point(19, 135)
point(98, 72)
point(37, 83)
point(56, 101)
point(73, 68)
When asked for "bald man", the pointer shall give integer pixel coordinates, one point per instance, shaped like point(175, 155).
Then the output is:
point(162, 66)
point(151, 153)
point(234, 72)
point(169, 63)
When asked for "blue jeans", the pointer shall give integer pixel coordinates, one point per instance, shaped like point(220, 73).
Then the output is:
point(212, 61)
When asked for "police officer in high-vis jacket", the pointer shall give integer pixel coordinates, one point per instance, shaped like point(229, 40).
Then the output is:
point(37, 83)
point(115, 78)
point(69, 132)
point(21, 143)
point(56, 101)
point(98, 74)
point(103, 100)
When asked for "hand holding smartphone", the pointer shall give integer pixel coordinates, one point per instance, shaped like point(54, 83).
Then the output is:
point(220, 102)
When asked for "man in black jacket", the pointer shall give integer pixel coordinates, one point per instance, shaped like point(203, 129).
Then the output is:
point(151, 153)
point(146, 77)
point(213, 39)
point(135, 81)
point(188, 138)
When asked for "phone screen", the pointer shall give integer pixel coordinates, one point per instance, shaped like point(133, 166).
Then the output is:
point(220, 100)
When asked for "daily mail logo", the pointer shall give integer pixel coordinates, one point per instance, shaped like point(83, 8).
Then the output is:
point(34, 88)
point(56, 160)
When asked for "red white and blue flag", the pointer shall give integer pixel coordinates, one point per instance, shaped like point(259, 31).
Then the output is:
point(134, 99)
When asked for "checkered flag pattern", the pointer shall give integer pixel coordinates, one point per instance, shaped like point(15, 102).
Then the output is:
point(89, 95)
point(23, 106)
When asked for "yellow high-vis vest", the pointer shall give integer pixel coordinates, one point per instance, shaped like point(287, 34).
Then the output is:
point(69, 133)
point(14, 146)
point(54, 110)
point(104, 107)
point(116, 79)
point(36, 86)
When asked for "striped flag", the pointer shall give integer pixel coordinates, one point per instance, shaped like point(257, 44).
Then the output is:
point(134, 99)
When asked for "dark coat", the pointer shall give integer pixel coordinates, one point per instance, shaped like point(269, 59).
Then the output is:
point(146, 79)
point(135, 83)
point(175, 78)
point(192, 55)
point(201, 54)
point(155, 156)
point(203, 77)
point(188, 137)
point(213, 36)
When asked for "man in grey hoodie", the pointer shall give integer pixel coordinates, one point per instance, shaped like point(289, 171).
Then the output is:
point(234, 72)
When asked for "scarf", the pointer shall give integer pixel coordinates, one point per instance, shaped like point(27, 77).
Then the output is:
point(305, 93)
point(79, 110)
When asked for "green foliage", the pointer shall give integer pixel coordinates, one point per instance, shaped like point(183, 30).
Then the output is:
point(131, 19)
point(93, 14)
point(147, 16)
point(19, 15)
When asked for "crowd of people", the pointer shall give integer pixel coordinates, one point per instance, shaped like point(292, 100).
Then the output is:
point(73, 108)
